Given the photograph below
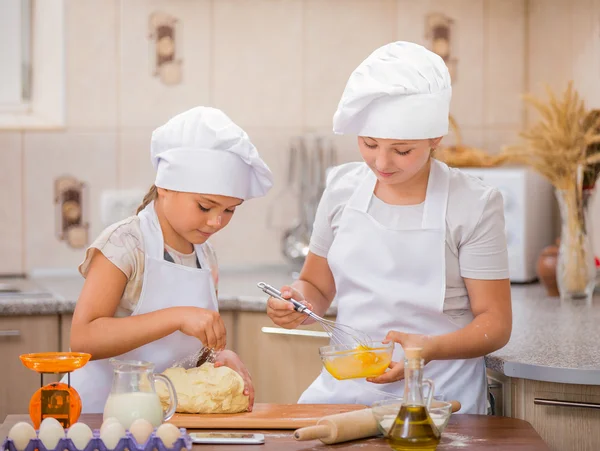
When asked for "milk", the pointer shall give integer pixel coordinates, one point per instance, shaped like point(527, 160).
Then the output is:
point(127, 407)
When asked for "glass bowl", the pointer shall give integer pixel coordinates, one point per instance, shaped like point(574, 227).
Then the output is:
point(354, 362)
point(386, 411)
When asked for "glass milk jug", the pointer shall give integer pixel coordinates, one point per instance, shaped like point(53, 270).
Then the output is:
point(133, 395)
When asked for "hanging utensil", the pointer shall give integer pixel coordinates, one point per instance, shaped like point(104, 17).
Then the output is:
point(295, 240)
point(274, 210)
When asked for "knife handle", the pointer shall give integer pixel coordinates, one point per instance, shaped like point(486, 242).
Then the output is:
point(311, 433)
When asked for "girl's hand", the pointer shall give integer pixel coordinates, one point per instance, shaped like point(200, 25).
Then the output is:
point(282, 313)
point(395, 373)
point(425, 342)
point(231, 360)
point(206, 325)
point(405, 340)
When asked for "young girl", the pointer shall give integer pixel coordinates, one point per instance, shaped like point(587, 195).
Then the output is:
point(411, 250)
point(151, 280)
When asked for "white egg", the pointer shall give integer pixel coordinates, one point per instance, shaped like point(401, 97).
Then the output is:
point(108, 421)
point(112, 433)
point(21, 434)
point(49, 421)
point(141, 430)
point(50, 433)
point(168, 433)
point(80, 434)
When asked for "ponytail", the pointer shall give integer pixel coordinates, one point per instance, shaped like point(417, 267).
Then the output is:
point(151, 195)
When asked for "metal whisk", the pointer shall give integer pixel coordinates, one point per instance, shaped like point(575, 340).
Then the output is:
point(339, 333)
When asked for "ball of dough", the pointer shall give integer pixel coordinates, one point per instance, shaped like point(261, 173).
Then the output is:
point(205, 389)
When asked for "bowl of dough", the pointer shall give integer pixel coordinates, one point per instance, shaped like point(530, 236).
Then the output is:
point(353, 362)
point(205, 389)
point(386, 411)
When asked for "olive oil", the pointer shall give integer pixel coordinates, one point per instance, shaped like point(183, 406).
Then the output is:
point(413, 429)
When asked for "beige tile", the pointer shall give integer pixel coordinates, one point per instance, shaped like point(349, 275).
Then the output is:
point(345, 146)
point(411, 20)
point(585, 49)
point(497, 138)
point(470, 137)
point(134, 168)
point(145, 101)
point(253, 236)
point(549, 47)
point(466, 48)
point(338, 36)
point(257, 73)
point(92, 63)
point(11, 204)
point(89, 157)
point(504, 62)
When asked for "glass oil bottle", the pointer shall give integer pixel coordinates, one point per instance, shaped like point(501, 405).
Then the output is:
point(413, 428)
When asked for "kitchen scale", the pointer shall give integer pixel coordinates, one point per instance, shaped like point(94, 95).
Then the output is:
point(56, 400)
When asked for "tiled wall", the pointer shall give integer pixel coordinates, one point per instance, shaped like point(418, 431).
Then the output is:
point(278, 69)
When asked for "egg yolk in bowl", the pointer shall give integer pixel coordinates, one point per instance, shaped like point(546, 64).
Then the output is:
point(346, 362)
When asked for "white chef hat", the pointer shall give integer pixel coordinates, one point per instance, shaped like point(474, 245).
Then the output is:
point(202, 151)
point(401, 91)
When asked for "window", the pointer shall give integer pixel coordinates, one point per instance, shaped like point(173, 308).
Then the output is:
point(32, 74)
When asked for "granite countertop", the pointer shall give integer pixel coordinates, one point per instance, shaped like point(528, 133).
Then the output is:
point(551, 341)
point(58, 294)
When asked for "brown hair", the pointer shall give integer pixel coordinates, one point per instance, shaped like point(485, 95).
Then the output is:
point(151, 195)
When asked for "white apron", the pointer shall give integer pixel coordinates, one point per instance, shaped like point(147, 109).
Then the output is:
point(165, 285)
point(389, 279)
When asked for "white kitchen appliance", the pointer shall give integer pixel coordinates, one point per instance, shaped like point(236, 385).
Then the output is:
point(528, 210)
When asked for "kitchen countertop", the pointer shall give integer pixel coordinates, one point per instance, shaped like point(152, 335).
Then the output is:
point(468, 432)
point(551, 341)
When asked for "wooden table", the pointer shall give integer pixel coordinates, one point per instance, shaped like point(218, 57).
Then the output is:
point(464, 432)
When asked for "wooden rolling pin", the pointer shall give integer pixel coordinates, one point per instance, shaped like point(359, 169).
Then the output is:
point(343, 427)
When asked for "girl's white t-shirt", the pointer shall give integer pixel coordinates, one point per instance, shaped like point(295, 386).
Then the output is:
point(123, 244)
point(475, 230)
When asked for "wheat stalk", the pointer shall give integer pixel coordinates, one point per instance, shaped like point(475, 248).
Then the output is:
point(557, 147)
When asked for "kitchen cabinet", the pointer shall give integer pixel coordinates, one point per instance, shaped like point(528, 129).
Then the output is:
point(567, 416)
point(22, 335)
point(65, 332)
point(499, 385)
point(281, 362)
point(229, 319)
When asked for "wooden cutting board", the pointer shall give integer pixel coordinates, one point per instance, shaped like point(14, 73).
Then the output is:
point(264, 416)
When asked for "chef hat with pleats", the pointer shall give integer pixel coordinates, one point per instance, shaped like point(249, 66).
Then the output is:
point(202, 151)
point(401, 91)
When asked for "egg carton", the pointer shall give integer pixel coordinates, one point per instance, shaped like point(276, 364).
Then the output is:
point(127, 443)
